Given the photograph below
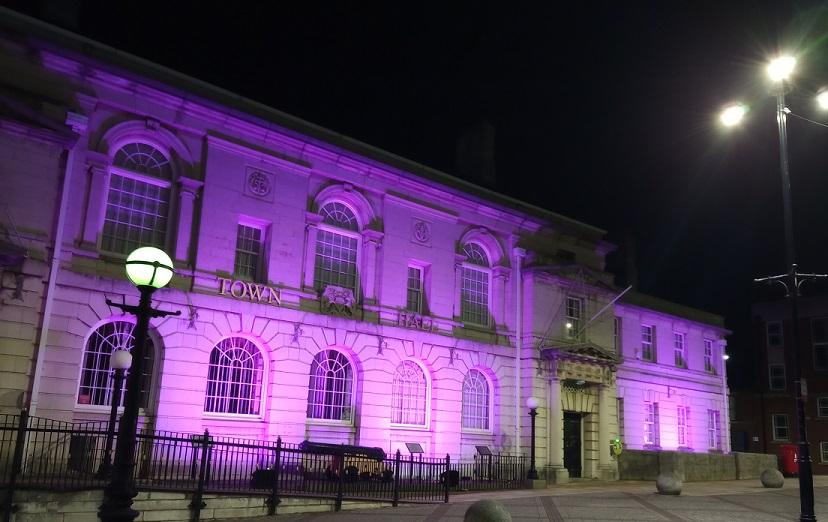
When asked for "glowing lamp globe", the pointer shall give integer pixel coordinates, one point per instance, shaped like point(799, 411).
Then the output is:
point(149, 266)
point(532, 403)
point(822, 99)
point(732, 114)
point(120, 360)
point(781, 68)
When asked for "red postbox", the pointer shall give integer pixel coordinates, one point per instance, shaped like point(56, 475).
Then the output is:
point(788, 454)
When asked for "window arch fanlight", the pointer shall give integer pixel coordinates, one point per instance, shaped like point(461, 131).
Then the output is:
point(330, 388)
point(95, 387)
point(474, 296)
point(409, 395)
point(336, 248)
point(476, 401)
point(138, 200)
point(235, 378)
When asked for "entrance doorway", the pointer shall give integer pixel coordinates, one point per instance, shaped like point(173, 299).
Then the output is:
point(572, 443)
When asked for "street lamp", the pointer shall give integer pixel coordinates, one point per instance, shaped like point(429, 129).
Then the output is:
point(532, 404)
point(149, 269)
point(120, 361)
point(779, 70)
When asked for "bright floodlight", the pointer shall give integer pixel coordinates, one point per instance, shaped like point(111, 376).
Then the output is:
point(822, 98)
point(732, 114)
point(149, 266)
point(120, 360)
point(780, 69)
point(725, 357)
point(532, 403)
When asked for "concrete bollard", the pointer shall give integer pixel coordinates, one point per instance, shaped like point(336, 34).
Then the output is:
point(668, 484)
point(772, 478)
point(487, 511)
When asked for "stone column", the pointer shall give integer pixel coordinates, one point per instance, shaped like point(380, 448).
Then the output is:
point(311, 230)
point(98, 165)
point(458, 284)
point(188, 190)
point(499, 276)
point(605, 468)
point(556, 473)
point(370, 269)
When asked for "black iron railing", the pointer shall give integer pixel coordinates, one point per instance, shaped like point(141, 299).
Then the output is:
point(40, 453)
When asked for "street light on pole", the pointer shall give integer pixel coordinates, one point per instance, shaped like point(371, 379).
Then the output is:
point(149, 269)
point(120, 361)
point(532, 404)
point(780, 70)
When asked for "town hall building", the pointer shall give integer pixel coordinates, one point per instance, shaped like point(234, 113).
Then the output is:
point(328, 290)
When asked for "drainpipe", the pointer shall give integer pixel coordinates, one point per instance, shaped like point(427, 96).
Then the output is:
point(518, 254)
point(78, 123)
point(725, 399)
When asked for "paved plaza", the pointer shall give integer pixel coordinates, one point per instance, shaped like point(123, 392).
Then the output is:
point(590, 500)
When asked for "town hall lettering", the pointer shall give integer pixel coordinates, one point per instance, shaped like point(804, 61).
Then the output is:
point(417, 321)
point(251, 291)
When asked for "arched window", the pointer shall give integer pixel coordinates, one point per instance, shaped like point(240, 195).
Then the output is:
point(234, 378)
point(409, 395)
point(138, 202)
point(95, 383)
point(336, 249)
point(476, 401)
point(330, 389)
point(474, 297)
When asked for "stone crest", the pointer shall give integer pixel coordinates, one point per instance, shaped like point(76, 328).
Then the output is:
point(338, 301)
point(258, 184)
point(421, 232)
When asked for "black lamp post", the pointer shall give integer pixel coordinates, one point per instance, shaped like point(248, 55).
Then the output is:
point(149, 269)
point(532, 404)
point(780, 70)
point(120, 361)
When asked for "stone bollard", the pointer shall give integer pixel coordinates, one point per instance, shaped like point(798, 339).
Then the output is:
point(772, 478)
point(668, 484)
point(487, 511)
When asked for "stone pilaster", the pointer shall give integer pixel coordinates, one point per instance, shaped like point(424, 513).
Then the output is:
point(372, 240)
point(98, 165)
point(606, 470)
point(556, 473)
point(311, 229)
point(188, 192)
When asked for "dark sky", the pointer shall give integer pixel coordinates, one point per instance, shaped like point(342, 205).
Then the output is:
point(604, 111)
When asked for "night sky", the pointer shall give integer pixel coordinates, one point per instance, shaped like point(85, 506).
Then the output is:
point(604, 111)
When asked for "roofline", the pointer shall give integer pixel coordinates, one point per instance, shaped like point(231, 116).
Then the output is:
point(187, 87)
point(658, 305)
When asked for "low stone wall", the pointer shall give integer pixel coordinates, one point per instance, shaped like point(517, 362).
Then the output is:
point(693, 467)
point(82, 506)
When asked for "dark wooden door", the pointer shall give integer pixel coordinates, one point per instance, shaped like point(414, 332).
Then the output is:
point(572, 443)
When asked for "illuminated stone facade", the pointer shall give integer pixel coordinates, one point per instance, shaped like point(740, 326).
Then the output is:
point(329, 290)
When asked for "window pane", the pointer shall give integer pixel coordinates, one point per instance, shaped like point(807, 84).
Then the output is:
point(135, 216)
point(408, 395)
point(475, 414)
point(335, 260)
point(414, 294)
point(329, 387)
point(249, 249)
point(474, 297)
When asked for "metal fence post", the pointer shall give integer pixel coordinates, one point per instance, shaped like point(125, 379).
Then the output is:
point(448, 477)
point(341, 470)
point(273, 501)
point(17, 464)
point(396, 479)
point(198, 503)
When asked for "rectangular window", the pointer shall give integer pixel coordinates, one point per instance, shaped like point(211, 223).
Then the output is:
point(647, 342)
point(249, 253)
point(776, 377)
point(822, 406)
point(679, 350)
point(414, 290)
point(714, 430)
point(136, 214)
point(616, 335)
point(336, 260)
point(823, 452)
point(819, 335)
point(780, 426)
point(774, 333)
point(682, 417)
point(574, 308)
point(651, 424)
point(708, 356)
